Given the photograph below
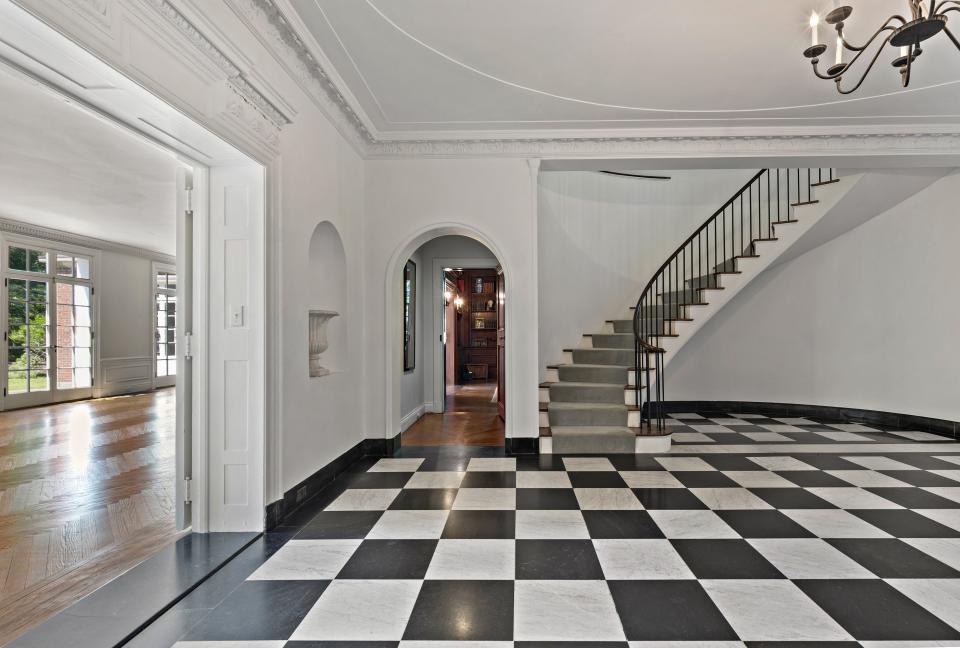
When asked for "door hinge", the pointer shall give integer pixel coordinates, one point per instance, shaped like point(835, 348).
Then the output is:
point(187, 494)
point(187, 346)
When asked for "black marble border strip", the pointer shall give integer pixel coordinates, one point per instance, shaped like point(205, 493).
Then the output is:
point(847, 414)
point(521, 446)
point(292, 499)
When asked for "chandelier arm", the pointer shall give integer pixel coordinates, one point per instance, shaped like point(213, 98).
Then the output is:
point(859, 53)
point(865, 72)
point(949, 9)
point(952, 37)
point(886, 26)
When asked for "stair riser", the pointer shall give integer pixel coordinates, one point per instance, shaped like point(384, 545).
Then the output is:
point(629, 397)
point(608, 341)
point(633, 420)
point(556, 375)
point(581, 417)
point(565, 393)
point(611, 374)
point(622, 357)
point(626, 326)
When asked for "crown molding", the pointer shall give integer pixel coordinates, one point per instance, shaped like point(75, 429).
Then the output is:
point(21, 228)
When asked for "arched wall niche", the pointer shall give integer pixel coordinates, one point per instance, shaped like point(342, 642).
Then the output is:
point(327, 290)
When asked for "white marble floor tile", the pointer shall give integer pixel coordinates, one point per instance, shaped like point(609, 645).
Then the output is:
point(852, 427)
point(768, 437)
point(949, 474)
point(729, 499)
point(727, 421)
point(543, 479)
point(946, 550)
point(781, 463)
point(795, 421)
point(919, 436)
point(456, 644)
point(879, 463)
point(799, 558)
point(360, 610)
point(485, 499)
point(587, 464)
point(692, 525)
point(950, 458)
point(229, 644)
point(686, 644)
point(436, 479)
point(650, 479)
point(782, 428)
point(574, 610)
point(834, 523)
point(940, 596)
point(409, 525)
point(717, 427)
point(852, 498)
point(772, 610)
point(397, 465)
point(680, 464)
point(946, 643)
point(691, 437)
point(669, 422)
point(473, 560)
point(307, 560)
point(949, 492)
point(759, 479)
point(551, 525)
point(492, 464)
point(640, 560)
point(946, 517)
point(841, 436)
point(685, 416)
point(867, 478)
point(607, 499)
point(364, 499)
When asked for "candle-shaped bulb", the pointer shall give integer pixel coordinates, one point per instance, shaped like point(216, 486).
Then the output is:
point(814, 24)
point(904, 50)
point(839, 49)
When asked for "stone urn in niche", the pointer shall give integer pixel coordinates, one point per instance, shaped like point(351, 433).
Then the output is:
point(318, 340)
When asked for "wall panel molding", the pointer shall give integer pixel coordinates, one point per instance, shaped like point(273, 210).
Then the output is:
point(124, 376)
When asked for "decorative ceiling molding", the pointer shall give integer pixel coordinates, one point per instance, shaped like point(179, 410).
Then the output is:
point(235, 77)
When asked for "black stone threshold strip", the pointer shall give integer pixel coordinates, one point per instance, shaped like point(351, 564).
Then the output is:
point(116, 612)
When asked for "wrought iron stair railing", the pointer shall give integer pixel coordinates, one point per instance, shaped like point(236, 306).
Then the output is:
point(697, 264)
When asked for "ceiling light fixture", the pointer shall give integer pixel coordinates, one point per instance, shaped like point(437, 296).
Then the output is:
point(896, 31)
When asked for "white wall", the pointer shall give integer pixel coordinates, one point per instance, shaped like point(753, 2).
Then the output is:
point(408, 203)
point(601, 238)
point(868, 320)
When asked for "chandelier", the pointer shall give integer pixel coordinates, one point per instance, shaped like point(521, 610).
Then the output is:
point(897, 31)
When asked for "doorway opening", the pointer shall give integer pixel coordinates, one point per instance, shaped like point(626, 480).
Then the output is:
point(454, 345)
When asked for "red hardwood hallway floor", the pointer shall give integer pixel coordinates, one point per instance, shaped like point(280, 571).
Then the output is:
point(86, 492)
point(470, 418)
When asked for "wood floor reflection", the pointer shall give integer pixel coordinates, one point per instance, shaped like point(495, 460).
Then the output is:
point(86, 492)
point(469, 418)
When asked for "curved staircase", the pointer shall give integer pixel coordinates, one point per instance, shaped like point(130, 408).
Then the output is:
point(605, 396)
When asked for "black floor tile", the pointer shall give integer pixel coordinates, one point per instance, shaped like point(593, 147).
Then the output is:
point(389, 559)
point(480, 524)
point(812, 478)
point(724, 559)
point(925, 461)
point(763, 524)
point(540, 462)
point(892, 558)
point(424, 499)
point(675, 610)
point(600, 479)
point(557, 560)
point(621, 525)
point(705, 479)
point(340, 644)
point(668, 498)
point(338, 525)
point(902, 523)
point(378, 480)
point(915, 498)
point(462, 611)
point(921, 478)
point(873, 610)
point(260, 610)
point(791, 498)
point(799, 644)
point(730, 462)
point(635, 462)
point(496, 479)
point(570, 644)
point(546, 499)
point(827, 461)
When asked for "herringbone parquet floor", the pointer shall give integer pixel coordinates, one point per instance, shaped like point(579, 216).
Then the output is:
point(86, 492)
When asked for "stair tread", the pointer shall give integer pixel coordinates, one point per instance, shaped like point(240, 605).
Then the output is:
point(577, 383)
point(805, 202)
point(590, 430)
point(592, 366)
point(579, 406)
point(825, 182)
point(635, 431)
point(592, 334)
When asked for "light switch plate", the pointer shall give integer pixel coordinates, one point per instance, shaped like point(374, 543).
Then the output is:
point(236, 316)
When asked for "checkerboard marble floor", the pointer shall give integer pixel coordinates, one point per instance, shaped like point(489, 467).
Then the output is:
point(853, 543)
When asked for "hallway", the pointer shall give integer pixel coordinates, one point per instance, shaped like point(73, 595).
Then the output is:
point(469, 418)
point(86, 492)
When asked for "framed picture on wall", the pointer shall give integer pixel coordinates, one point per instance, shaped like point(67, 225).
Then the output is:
point(409, 315)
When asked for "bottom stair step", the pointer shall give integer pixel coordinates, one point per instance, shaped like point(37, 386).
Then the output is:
point(593, 440)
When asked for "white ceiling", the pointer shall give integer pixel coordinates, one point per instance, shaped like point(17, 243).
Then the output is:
point(456, 66)
point(61, 167)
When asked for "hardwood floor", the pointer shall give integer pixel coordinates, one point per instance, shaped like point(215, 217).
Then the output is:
point(470, 418)
point(86, 492)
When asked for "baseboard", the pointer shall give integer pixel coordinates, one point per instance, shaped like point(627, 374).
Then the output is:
point(276, 512)
point(412, 417)
point(848, 414)
point(521, 445)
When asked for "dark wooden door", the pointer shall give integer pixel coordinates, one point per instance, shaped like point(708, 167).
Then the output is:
point(501, 349)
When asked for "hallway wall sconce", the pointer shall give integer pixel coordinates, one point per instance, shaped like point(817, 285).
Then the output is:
point(458, 303)
point(447, 296)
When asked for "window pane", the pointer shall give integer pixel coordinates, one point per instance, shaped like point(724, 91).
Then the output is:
point(64, 378)
point(161, 351)
point(171, 335)
point(82, 267)
point(17, 382)
point(171, 350)
point(16, 357)
point(64, 293)
point(172, 281)
point(16, 313)
point(64, 265)
point(161, 280)
point(81, 336)
point(17, 289)
point(81, 357)
point(171, 367)
point(64, 358)
point(18, 258)
point(38, 291)
point(39, 381)
point(81, 295)
point(38, 261)
point(39, 359)
point(82, 314)
point(37, 312)
point(161, 367)
point(64, 317)
point(38, 336)
point(82, 377)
